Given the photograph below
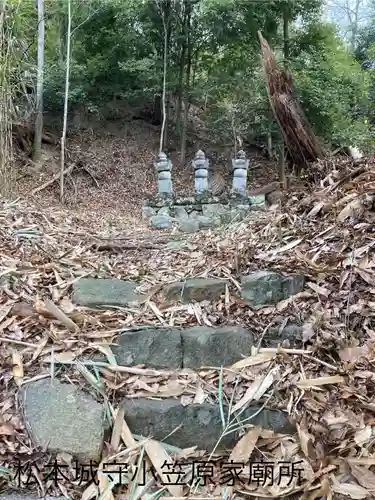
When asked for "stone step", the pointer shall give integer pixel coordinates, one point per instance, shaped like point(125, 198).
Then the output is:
point(258, 289)
point(196, 289)
point(196, 424)
point(97, 292)
point(62, 418)
point(194, 347)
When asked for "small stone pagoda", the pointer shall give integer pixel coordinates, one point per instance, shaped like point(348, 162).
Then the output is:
point(201, 210)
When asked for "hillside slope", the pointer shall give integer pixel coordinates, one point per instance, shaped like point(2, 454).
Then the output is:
point(113, 173)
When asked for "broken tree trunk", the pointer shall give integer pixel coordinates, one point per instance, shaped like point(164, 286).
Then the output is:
point(300, 140)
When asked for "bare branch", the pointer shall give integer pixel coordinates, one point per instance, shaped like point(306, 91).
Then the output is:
point(85, 21)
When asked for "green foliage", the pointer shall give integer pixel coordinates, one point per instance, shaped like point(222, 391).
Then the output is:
point(331, 85)
point(110, 55)
point(117, 52)
point(21, 45)
point(365, 54)
point(233, 79)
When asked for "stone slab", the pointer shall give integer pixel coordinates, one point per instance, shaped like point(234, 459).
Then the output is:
point(188, 225)
point(257, 201)
point(196, 424)
point(164, 211)
point(174, 348)
point(160, 221)
point(274, 197)
point(148, 212)
point(155, 347)
point(205, 222)
point(212, 209)
point(233, 215)
point(181, 213)
point(291, 333)
point(221, 346)
point(61, 418)
point(197, 289)
point(262, 288)
point(96, 292)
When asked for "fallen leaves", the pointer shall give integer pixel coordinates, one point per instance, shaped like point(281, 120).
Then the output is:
point(6, 429)
point(364, 476)
point(349, 489)
point(355, 207)
point(327, 237)
point(362, 436)
point(17, 362)
point(158, 457)
point(354, 354)
point(245, 446)
point(257, 389)
point(310, 383)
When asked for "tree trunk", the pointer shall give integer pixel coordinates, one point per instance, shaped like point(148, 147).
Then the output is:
point(180, 90)
point(61, 30)
point(166, 121)
point(194, 70)
point(187, 83)
point(354, 24)
point(37, 147)
point(166, 94)
point(66, 101)
point(286, 13)
point(182, 62)
point(163, 104)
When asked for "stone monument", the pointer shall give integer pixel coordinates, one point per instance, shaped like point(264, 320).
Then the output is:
point(201, 165)
point(240, 165)
point(163, 167)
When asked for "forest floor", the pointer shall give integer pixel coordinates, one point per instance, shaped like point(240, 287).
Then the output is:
point(328, 235)
point(114, 174)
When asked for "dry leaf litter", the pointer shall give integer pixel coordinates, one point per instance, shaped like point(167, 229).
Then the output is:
point(326, 384)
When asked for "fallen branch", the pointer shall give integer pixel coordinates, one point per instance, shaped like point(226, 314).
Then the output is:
point(60, 316)
point(51, 181)
point(50, 139)
point(346, 177)
point(110, 240)
point(24, 134)
point(269, 188)
point(85, 169)
point(113, 247)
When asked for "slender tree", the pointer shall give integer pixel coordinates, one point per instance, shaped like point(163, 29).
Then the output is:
point(6, 105)
point(186, 100)
point(66, 102)
point(37, 149)
point(351, 16)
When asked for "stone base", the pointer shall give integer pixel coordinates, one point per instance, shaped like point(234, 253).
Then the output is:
point(196, 424)
point(202, 211)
